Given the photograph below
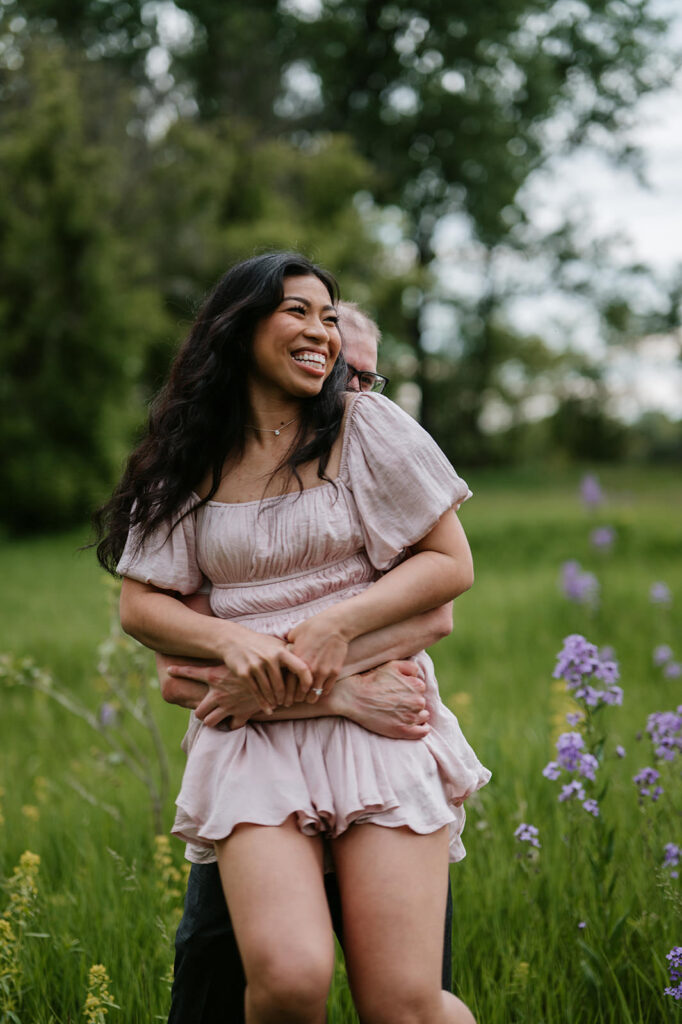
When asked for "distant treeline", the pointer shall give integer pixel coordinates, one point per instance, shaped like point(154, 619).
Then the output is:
point(143, 148)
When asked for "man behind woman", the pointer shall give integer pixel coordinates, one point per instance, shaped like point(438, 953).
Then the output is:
point(313, 546)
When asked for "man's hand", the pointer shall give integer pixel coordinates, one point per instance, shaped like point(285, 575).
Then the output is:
point(388, 700)
point(239, 706)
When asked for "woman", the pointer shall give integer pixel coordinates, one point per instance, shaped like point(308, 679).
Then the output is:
point(300, 504)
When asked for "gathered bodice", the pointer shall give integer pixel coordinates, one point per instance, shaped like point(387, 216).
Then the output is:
point(276, 561)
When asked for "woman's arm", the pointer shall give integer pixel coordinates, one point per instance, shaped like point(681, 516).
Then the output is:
point(184, 681)
point(439, 569)
point(158, 620)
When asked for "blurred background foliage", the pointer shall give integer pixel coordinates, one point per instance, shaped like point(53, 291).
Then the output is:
point(146, 146)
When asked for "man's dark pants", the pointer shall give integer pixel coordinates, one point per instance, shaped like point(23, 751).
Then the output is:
point(209, 978)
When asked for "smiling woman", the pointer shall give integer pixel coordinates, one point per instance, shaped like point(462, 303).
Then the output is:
point(318, 517)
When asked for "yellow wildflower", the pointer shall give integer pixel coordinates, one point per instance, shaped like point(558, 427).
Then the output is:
point(10, 969)
point(98, 999)
point(23, 889)
point(30, 812)
point(561, 705)
point(168, 877)
point(41, 787)
point(460, 703)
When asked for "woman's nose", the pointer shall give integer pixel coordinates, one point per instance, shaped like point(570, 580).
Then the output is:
point(316, 328)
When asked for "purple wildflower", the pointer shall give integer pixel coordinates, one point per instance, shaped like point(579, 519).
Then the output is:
point(582, 924)
point(587, 766)
point(672, 854)
point(662, 653)
point(673, 670)
point(592, 807)
point(570, 790)
point(590, 491)
point(665, 731)
point(527, 834)
point(579, 661)
point(576, 659)
point(578, 585)
point(551, 771)
point(674, 958)
point(659, 593)
point(573, 717)
point(568, 748)
point(646, 781)
point(107, 714)
point(620, 751)
point(607, 670)
point(614, 695)
point(602, 538)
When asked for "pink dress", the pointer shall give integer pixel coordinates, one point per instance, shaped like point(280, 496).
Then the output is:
point(276, 562)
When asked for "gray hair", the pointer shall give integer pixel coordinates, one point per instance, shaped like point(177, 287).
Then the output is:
point(351, 313)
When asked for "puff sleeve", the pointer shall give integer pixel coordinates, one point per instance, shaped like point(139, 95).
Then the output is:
point(401, 481)
point(167, 558)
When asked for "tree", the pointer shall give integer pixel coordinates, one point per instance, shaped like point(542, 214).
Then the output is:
point(456, 105)
point(110, 241)
point(73, 316)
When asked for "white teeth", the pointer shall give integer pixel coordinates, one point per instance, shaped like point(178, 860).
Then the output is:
point(314, 358)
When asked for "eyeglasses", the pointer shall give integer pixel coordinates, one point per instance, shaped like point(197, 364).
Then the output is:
point(367, 380)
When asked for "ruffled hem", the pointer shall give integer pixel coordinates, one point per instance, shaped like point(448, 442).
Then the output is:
point(329, 773)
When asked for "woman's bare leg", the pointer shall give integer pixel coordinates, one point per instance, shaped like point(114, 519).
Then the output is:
point(273, 882)
point(391, 883)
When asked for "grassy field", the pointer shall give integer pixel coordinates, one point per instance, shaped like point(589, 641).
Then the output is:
point(577, 930)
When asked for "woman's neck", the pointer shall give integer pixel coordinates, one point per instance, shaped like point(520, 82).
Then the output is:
point(269, 413)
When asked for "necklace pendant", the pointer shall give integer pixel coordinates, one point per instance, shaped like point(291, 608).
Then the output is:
point(277, 433)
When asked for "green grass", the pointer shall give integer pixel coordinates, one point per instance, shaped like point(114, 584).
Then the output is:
point(519, 955)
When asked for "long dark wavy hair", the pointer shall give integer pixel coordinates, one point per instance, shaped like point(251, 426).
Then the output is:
point(199, 417)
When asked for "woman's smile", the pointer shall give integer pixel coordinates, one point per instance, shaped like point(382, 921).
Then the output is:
point(311, 361)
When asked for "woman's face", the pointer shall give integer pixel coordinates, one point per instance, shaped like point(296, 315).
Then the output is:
point(294, 348)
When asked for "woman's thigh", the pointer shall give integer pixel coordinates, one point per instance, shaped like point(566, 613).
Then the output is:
point(393, 900)
point(274, 886)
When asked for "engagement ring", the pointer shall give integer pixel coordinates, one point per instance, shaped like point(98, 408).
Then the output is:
point(318, 693)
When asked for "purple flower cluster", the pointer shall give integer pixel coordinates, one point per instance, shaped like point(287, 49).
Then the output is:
point(659, 593)
point(662, 654)
point(590, 491)
point(671, 858)
point(581, 664)
point(663, 658)
point(578, 585)
point(571, 757)
point(527, 834)
point(665, 732)
point(602, 538)
point(591, 676)
point(647, 781)
point(674, 958)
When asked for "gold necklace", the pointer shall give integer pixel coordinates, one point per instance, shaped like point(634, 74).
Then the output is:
point(270, 430)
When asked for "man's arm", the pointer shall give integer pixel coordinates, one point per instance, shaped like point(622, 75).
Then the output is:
point(392, 643)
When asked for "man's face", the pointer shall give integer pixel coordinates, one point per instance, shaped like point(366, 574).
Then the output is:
point(359, 350)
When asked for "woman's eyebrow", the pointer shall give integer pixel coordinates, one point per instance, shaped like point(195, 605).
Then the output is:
point(306, 302)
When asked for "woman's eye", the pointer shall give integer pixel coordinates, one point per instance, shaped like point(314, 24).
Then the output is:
point(296, 309)
point(332, 320)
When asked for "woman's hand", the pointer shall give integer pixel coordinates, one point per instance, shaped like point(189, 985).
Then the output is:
point(321, 644)
point(261, 663)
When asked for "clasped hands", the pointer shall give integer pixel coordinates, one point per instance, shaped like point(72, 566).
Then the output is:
point(275, 672)
point(260, 673)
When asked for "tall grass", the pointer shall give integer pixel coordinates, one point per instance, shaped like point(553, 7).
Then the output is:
point(520, 953)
